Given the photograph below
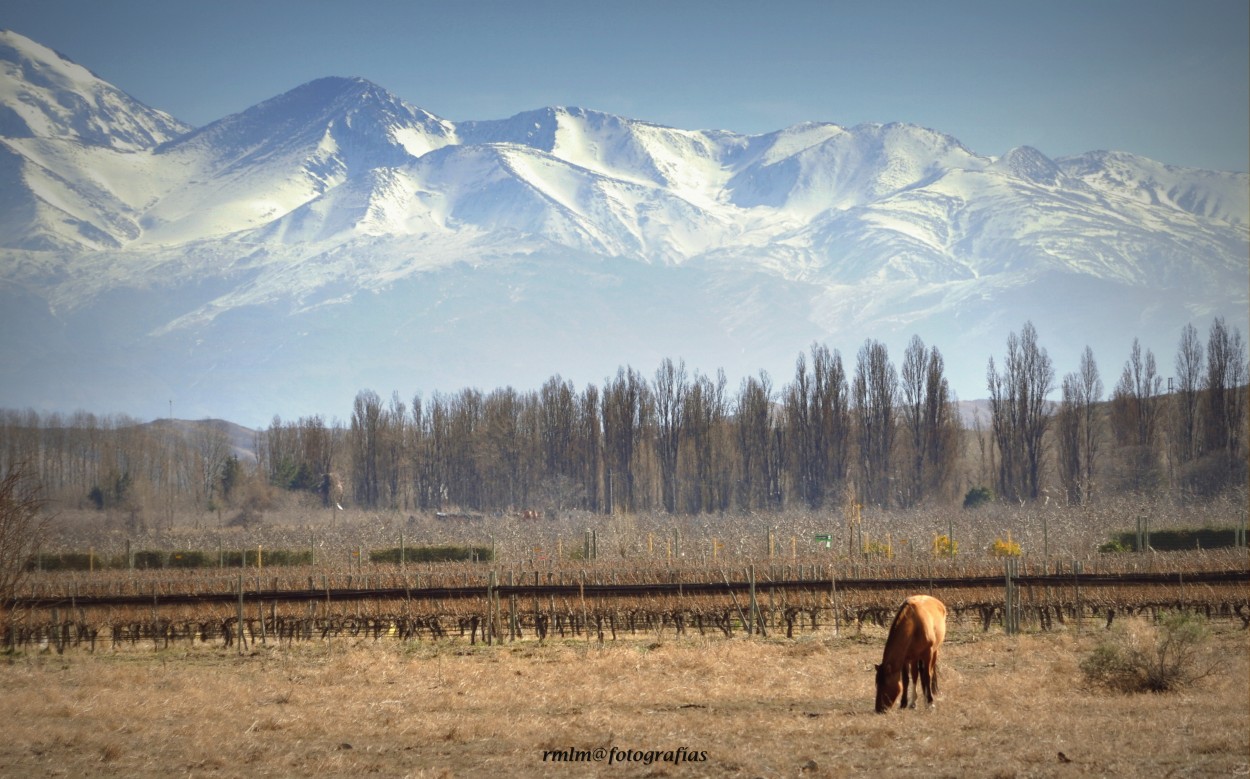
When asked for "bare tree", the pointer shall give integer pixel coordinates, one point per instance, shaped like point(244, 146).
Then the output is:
point(501, 450)
point(366, 446)
point(817, 426)
point(912, 388)
point(942, 427)
point(801, 435)
point(627, 413)
point(1019, 416)
point(704, 418)
point(1135, 410)
point(929, 420)
point(1188, 394)
point(558, 428)
point(464, 437)
point(832, 417)
point(22, 525)
point(1077, 433)
point(753, 420)
point(213, 446)
point(875, 392)
point(394, 460)
point(1224, 410)
point(588, 447)
point(670, 390)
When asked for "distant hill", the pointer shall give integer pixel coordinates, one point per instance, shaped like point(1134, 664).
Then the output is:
point(240, 440)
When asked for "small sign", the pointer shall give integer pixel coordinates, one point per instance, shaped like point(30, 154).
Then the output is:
point(824, 538)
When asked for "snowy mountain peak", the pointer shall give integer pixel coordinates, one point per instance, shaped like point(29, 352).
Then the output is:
point(536, 129)
point(1218, 195)
point(249, 169)
point(1029, 164)
point(351, 110)
point(46, 95)
point(308, 240)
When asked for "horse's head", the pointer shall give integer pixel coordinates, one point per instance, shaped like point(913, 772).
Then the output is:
point(889, 687)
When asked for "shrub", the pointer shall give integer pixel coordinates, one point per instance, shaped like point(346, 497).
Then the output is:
point(945, 546)
point(65, 561)
point(287, 557)
point(1180, 539)
point(431, 554)
point(875, 548)
point(247, 517)
point(1006, 548)
point(1139, 657)
point(183, 558)
point(246, 558)
point(148, 558)
point(977, 496)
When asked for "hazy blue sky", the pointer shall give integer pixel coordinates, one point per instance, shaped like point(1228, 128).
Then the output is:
point(1168, 80)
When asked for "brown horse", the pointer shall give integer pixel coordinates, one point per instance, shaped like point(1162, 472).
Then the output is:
point(912, 649)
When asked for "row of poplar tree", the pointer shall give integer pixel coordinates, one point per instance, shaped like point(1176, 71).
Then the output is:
point(676, 440)
point(877, 434)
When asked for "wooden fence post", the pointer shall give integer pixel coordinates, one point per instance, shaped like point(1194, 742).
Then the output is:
point(745, 623)
point(490, 608)
point(1076, 582)
point(514, 629)
point(1011, 599)
point(240, 613)
point(755, 606)
point(833, 598)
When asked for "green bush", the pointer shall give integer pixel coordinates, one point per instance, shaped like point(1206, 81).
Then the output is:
point(149, 558)
point(187, 559)
point(978, 496)
point(1137, 656)
point(247, 558)
point(431, 554)
point(65, 561)
point(1180, 539)
point(287, 557)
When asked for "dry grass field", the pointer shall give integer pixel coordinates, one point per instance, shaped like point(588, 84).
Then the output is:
point(1008, 706)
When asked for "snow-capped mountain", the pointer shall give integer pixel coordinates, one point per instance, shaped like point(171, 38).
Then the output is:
point(336, 237)
point(45, 95)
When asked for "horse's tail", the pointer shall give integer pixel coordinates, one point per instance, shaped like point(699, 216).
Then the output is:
point(898, 615)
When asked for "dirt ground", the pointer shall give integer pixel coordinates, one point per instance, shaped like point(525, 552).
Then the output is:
point(1008, 706)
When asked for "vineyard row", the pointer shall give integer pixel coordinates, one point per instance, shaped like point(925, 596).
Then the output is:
point(598, 590)
point(513, 612)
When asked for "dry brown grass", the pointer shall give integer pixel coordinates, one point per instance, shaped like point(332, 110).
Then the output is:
point(1009, 706)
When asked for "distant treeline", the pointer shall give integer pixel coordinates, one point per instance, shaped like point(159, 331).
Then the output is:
point(837, 435)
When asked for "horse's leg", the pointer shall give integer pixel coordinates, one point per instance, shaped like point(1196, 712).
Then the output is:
point(915, 684)
point(902, 704)
point(931, 681)
point(925, 682)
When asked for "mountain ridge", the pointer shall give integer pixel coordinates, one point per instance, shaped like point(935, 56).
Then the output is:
point(319, 203)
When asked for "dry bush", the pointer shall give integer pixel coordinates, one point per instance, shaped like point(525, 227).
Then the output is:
point(1138, 656)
